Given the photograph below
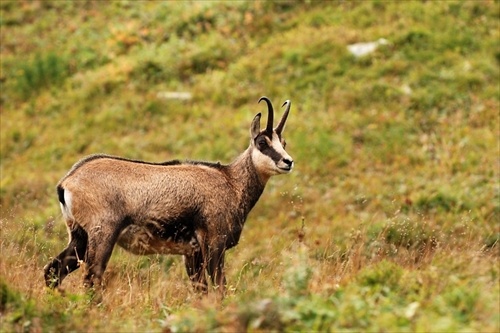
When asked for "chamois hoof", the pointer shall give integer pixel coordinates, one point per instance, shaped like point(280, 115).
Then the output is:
point(51, 278)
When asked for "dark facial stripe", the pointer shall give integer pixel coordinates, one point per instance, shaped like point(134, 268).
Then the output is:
point(273, 154)
point(266, 149)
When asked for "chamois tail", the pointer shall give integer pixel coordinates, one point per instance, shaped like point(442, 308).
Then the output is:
point(65, 202)
point(60, 194)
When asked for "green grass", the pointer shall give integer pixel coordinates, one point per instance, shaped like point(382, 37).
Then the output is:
point(389, 222)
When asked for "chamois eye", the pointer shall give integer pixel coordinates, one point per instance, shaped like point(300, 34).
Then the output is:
point(262, 143)
point(283, 142)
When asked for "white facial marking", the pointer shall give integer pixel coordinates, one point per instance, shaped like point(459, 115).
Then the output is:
point(282, 162)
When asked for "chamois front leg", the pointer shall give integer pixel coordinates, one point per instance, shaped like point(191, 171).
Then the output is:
point(196, 271)
point(215, 268)
point(68, 260)
point(196, 263)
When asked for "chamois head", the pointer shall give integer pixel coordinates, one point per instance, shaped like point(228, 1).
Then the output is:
point(268, 145)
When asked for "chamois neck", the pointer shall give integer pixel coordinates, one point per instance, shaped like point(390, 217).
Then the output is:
point(243, 167)
point(247, 181)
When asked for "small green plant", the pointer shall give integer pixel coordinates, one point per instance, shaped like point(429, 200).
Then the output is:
point(15, 309)
point(8, 297)
point(439, 201)
point(43, 71)
point(296, 278)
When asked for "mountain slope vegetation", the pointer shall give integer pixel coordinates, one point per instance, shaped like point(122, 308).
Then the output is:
point(389, 221)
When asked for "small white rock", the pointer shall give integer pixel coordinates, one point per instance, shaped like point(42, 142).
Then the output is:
point(185, 96)
point(361, 49)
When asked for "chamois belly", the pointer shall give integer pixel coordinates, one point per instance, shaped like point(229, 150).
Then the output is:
point(154, 238)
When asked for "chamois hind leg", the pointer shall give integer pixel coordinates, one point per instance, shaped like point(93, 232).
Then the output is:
point(196, 272)
point(68, 260)
point(101, 242)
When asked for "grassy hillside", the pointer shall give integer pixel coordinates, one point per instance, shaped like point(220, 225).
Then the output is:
point(389, 222)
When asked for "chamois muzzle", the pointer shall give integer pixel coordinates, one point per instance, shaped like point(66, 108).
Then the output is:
point(288, 164)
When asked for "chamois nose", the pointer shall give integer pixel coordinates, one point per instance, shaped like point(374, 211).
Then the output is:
point(288, 162)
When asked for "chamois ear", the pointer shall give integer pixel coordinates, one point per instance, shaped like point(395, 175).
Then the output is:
point(255, 127)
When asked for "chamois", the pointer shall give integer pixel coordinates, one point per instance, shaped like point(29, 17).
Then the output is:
point(190, 208)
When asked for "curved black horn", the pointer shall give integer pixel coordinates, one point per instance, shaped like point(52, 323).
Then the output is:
point(270, 116)
point(281, 125)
